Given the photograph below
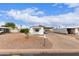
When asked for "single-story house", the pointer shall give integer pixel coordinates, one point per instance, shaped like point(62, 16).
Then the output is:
point(67, 30)
point(36, 30)
point(4, 30)
point(48, 29)
point(14, 30)
point(7, 30)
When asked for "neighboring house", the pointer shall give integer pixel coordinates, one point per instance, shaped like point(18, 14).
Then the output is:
point(36, 30)
point(14, 30)
point(7, 30)
point(48, 29)
point(4, 30)
point(67, 30)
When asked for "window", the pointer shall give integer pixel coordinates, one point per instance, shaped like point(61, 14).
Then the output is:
point(37, 30)
point(1, 29)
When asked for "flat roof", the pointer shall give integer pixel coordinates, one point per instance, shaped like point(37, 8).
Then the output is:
point(5, 27)
point(36, 27)
point(67, 27)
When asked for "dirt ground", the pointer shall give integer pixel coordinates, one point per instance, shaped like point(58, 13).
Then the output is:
point(11, 43)
point(19, 41)
point(63, 41)
point(53, 41)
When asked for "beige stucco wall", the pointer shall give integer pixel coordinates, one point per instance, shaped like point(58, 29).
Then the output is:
point(32, 31)
point(64, 31)
point(76, 31)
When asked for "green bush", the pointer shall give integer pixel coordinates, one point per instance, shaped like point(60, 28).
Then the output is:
point(26, 31)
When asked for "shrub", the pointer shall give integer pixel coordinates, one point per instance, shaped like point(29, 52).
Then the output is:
point(26, 31)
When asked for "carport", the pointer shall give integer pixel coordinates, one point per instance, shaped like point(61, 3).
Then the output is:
point(68, 30)
point(72, 30)
point(4, 29)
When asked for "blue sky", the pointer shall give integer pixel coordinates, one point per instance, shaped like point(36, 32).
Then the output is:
point(49, 8)
point(32, 14)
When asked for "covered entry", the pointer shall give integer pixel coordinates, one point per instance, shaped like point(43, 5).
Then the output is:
point(36, 30)
point(4, 29)
point(70, 30)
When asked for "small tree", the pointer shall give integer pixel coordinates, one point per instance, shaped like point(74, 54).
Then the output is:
point(26, 31)
point(9, 24)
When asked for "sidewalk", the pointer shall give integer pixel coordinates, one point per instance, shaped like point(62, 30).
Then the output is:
point(36, 51)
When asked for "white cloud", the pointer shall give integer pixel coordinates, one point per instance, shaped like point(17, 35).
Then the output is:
point(2, 23)
point(26, 15)
point(72, 4)
point(21, 26)
point(40, 13)
point(31, 15)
